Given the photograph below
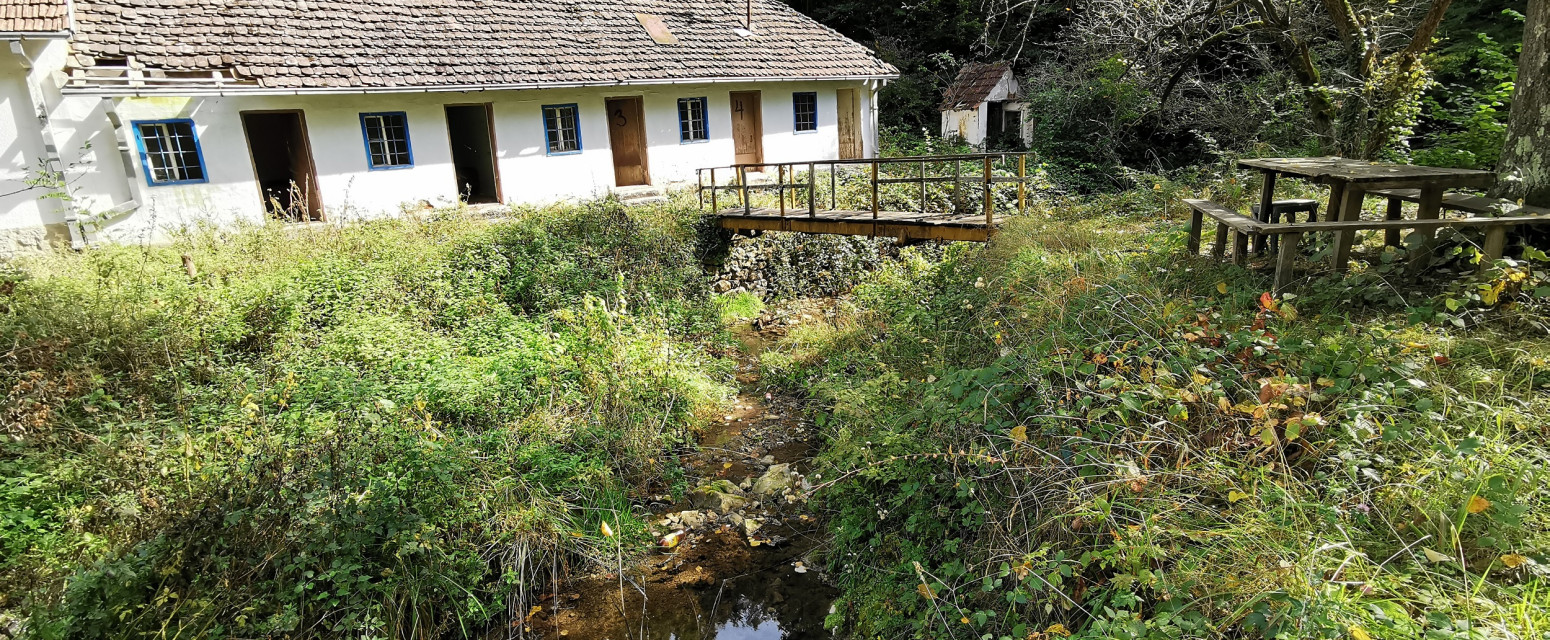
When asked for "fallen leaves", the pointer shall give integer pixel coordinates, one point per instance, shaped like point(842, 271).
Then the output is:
point(1477, 504)
point(1513, 560)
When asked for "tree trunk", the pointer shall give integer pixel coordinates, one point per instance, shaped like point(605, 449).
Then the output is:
point(1524, 170)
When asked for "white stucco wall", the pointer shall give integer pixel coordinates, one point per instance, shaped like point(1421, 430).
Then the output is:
point(28, 221)
point(349, 190)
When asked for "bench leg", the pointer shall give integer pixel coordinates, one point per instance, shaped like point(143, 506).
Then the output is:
point(1267, 198)
point(1396, 211)
point(1350, 210)
point(1240, 248)
point(1196, 220)
point(1286, 260)
point(1495, 242)
point(1220, 248)
point(1275, 240)
point(1429, 209)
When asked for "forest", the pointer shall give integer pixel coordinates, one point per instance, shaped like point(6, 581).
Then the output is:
point(452, 424)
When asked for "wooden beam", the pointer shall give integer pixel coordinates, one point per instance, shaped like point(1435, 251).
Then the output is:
point(1286, 260)
point(1495, 243)
point(989, 208)
point(1022, 189)
point(862, 227)
point(1267, 198)
point(812, 178)
point(1350, 211)
point(742, 179)
point(1395, 211)
point(1196, 219)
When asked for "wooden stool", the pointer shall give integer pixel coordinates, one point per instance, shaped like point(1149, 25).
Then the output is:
point(1288, 207)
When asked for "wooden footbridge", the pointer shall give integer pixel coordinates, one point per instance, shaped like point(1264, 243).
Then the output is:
point(912, 198)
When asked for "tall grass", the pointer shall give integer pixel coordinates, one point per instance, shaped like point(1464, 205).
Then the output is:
point(404, 428)
point(1078, 430)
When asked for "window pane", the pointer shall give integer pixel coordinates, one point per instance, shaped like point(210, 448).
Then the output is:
point(171, 151)
point(560, 128)
point(387, 139)
point(805, 107)
point(691, 119)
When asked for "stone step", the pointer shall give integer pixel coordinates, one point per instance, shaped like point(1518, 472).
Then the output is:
point(637, 191)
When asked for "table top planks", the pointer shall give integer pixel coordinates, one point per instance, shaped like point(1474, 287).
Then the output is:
point(1372, 174)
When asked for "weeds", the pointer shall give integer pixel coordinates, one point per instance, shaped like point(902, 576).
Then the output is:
point(1075, 430)
point(400, 428)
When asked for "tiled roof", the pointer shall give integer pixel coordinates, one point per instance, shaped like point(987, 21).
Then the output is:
point(974, 83)
point(34, 16)
point(429, 43)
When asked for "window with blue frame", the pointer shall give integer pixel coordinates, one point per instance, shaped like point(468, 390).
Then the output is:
point(169, 151)
point(691, 120)
point(804, 107)
point(562, 128)
point(387, 140)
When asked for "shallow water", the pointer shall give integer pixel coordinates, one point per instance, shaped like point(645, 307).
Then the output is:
point(717, 584)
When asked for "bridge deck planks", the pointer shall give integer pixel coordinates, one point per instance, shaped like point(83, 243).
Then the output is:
point(905, 225)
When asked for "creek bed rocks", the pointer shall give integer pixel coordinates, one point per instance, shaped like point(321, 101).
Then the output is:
point(743, 530)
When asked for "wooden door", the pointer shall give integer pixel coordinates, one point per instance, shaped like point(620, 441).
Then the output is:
point(627, 137)
point(849, 105)
point(747, 128)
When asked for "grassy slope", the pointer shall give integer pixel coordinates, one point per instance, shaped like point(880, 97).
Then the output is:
point(391, 426)
point(1078, 429)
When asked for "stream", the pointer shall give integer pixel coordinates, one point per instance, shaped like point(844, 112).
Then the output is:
point(744, 567)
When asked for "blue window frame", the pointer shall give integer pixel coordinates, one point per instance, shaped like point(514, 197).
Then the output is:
point(692, 125)
point(387, 140)
point(804, 111)
point(169, 152)
point(562, 129)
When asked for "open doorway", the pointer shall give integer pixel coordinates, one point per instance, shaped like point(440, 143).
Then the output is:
point(282, 163)
point(473, 152)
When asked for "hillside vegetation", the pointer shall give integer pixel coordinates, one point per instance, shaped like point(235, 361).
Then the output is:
point(394, 428)
point(1077, 430)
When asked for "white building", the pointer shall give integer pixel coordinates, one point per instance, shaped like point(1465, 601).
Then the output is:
point(985, 102)
point(162, 113)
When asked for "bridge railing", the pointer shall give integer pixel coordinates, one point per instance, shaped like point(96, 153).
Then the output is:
point(977, 170)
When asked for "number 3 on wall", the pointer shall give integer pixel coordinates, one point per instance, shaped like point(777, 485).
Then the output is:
point(619, 119)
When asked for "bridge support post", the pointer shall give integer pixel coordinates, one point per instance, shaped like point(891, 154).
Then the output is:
point(1022, 184)
point(989, 210)
point(812, 181)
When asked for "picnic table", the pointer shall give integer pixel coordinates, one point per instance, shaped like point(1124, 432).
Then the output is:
point(1351, 180)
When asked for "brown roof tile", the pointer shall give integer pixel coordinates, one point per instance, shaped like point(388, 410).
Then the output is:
point(288, 43)
point(34, 16)
point(974, 83)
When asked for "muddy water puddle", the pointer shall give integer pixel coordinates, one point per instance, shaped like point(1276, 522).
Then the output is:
point(740, 553)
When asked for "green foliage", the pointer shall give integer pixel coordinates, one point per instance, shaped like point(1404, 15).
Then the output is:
point(738, 307)
point(1076, 430)
point(384, 429)
point(1465, 116)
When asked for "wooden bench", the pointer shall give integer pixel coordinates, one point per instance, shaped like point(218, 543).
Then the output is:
point(1452, 200)
point(1244, 227)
